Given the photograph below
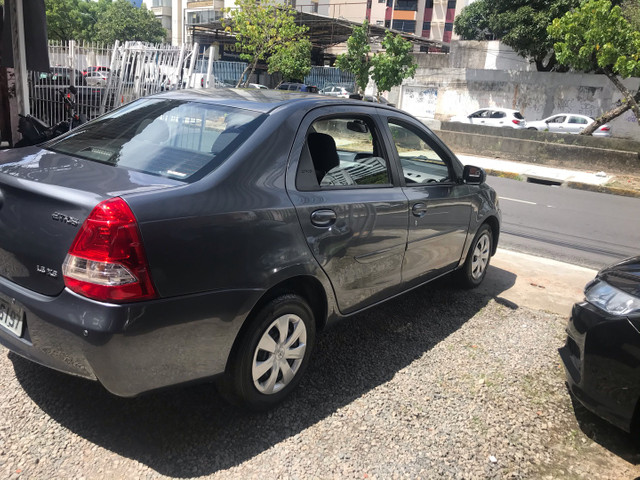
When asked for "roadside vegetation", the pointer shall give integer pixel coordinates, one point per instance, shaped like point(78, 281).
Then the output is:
point(102, 21)
point(594, 36)
point(387, 68)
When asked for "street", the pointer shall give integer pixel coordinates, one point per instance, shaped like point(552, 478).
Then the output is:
point(574, 226)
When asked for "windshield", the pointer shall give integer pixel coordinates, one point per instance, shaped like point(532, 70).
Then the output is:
point(170, 138)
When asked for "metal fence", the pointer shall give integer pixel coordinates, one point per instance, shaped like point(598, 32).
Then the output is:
point(324, 76)
point(107, 77)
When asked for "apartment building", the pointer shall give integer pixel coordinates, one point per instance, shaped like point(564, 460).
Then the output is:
point(432, 19)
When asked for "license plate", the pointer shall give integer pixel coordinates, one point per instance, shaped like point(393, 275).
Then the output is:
point(11, 318)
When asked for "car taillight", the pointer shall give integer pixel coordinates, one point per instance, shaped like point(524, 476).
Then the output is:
point(107, 260)
point(604, 128)
point(517, 122)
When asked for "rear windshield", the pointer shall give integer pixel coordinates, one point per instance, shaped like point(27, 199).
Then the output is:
point(518, 115)
point(170, 138)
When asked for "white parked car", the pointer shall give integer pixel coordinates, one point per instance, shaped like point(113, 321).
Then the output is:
point(97, 79)
point(568, 123)
point(493, 117)
point(336, 91)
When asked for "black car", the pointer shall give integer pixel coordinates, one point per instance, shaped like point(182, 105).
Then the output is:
point(211, 233)
point(602, 353)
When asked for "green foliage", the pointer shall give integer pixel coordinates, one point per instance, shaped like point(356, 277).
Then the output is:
point(103, 21)
point(473, 22)
point(393, 65)
point(631, 11)
point(262, 29)
point(520, 24)
point(292, 60)
point(122, 21)
point(597, 35)
point(357, 60)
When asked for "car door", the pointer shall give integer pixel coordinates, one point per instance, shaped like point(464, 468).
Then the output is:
point(350, 205)
point(439, 203)
point(576, 124)
point(557, 124)
point(496, 118)
point(479, 117)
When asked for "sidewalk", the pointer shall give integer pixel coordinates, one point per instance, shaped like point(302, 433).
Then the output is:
point(523, 280)
point(594, 181)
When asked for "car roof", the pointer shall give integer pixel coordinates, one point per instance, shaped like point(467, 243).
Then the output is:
point(263, 101)
point(572, 114)
point(508, 110)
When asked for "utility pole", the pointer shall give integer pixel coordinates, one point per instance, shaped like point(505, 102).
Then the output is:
point(19, 55)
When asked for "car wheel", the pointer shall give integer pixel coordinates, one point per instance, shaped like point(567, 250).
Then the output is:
point(273, 353)
point(532, 128)
point(475, 267)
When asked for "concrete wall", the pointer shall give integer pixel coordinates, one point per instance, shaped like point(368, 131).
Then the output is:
point(611, 155)
point(439, 92)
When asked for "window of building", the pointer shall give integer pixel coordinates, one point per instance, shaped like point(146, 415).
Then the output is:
point(404, 25)
point(411, 5)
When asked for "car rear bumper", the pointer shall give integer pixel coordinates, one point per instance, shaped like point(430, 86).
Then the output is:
point(132, 348)
point(602, 362)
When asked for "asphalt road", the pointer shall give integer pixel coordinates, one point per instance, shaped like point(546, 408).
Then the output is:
point(574, 226)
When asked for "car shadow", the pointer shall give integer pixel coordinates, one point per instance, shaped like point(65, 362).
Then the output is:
point(190, 431)
point(617, 441)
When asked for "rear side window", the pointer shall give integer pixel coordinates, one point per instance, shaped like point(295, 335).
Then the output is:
point(579, 120)
point(518, 115)
point(343, 152)
point(170, 138)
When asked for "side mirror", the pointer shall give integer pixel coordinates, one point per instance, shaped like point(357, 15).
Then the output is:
point(473, 175)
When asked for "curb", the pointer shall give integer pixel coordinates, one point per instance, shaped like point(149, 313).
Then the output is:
point(624, 192)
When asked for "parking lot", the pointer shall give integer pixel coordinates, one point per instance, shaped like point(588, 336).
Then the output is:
point(436, 383)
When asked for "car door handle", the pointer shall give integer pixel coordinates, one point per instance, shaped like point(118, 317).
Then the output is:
point(323, 218)
point(419, 209)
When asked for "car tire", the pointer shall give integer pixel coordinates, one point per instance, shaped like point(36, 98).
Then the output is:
point(532, 128)
point(476, 265)
point(273, 354)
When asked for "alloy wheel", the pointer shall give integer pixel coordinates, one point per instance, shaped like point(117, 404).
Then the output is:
point(279, 354)
point(480, 256)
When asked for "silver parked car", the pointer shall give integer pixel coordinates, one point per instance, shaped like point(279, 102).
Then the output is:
point(568, 123)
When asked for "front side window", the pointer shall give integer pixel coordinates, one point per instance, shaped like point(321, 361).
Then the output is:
point(345, 153)
point(559, 119)
point(171, 138)
point(421, 164)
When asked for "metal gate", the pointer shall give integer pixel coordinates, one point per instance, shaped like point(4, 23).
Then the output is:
point(325, 76)
point(107, 77)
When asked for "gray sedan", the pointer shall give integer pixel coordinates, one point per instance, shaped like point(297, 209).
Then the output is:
point(212, 234)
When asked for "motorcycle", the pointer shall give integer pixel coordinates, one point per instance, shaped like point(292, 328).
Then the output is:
point(36, 131)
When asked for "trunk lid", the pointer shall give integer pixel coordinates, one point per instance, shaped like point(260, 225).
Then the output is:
point(44, 199)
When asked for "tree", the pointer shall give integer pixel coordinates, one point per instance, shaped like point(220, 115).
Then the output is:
point(103, 21)
point(631, 11)
point(391, 67)
point(520, 24)
point(292, 60)
point(262, 29)
point(357, 60)
point(597, 37)
point(123, 21)
point(473, 22)
point(64, 21)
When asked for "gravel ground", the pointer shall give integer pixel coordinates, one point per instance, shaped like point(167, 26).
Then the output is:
point(437, 383)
